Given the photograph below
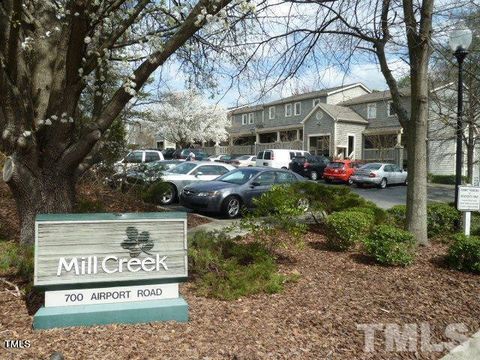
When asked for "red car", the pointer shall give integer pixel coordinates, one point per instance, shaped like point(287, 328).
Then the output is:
point(340, 170)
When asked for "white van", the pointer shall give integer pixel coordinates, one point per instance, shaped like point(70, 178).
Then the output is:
point(278, 158)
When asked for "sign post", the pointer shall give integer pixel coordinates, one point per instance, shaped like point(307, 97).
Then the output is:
point(110, 268)
point(468, 201)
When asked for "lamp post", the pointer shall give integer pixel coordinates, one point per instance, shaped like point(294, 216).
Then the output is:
point(460, 40)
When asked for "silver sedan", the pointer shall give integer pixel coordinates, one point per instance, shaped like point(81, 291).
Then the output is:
point(190, 172)
point(379, 174)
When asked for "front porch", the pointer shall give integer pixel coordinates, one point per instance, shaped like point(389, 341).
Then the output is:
point(384, 145)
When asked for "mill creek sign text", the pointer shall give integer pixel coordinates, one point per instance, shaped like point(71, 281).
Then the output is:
point(110, 264)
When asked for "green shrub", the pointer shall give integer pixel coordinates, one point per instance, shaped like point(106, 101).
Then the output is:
point(277, 210)
point(226, 269)
point(89, 206)
point(464, 253)
point(391, 246)
point(441, 218)
point(153, 193)
point(345, 228)
point(379, 215)
point(16, 259)
point(444, 179)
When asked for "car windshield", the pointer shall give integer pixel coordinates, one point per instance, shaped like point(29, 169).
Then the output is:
point(371, 167)
point(336, 165)
point(244, 157)
point(184, 168)
point(239, 177)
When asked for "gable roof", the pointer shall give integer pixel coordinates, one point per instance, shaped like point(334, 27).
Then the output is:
point(299, 97)
point(338, 113)
point(375, 96)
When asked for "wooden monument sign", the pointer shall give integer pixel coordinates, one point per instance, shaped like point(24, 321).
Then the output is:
point(110, 268)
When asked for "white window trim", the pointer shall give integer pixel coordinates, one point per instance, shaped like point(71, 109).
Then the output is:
point(251, 119)
point(354, 144)
point(295, 108)
point(374, 105)
point(291, 110)
point(244, 119)
point(390, 103)
point(271, 114)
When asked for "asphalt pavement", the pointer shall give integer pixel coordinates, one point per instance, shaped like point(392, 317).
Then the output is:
point(384, 198)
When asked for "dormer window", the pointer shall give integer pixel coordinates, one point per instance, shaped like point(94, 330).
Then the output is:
point(288, 110)
point(371, 111)
point(391, 110)
point(271, 112)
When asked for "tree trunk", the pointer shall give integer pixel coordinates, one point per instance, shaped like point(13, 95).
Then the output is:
point(417, 159)
point(47, 191)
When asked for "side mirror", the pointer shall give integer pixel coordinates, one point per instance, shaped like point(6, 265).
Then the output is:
point(255, 184)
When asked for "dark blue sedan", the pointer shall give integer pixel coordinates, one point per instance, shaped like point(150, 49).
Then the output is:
point(234, 190)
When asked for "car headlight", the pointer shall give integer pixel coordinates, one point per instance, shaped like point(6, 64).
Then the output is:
point(208, 193)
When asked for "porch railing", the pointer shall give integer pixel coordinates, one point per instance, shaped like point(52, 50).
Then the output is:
point(395, 155)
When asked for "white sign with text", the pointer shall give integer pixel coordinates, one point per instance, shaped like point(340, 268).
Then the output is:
point(111, 295)
point(468, 198)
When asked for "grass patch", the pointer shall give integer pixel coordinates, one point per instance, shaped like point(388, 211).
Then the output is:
point(16, 259)
point(226, 269)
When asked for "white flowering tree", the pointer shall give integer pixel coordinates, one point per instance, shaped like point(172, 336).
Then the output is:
point(184, 118)
point(53, 53)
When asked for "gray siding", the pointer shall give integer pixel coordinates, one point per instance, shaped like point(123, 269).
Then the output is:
point(314, 126)
point(382, 119)
point(237, 121)
point(343, 130)
point(280, 118)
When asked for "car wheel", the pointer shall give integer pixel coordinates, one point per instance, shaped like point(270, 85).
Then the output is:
point(406, 182)
point(284, 168)
point(314, 175)
point(231, 207)
point(383, 184)
point(169, 196)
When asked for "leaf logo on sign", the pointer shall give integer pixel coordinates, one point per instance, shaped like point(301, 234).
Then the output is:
point(136, 242)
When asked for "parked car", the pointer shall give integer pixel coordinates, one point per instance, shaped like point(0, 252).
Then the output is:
point(150, 172)
point(278, 158)
point(222, 158)
point(190, 172)
point(182, 154)
point(340, 170)
point(244, 161)
point(311, 166)
point(380, 174)
point(230, 192)
point(136, 157)
point(168, 153)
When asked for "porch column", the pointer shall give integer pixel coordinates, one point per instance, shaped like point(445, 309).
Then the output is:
point(278, 136)
point(399, 138)
point(257, 138)
point(298, 134)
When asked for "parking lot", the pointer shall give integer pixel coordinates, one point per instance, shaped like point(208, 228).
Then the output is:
point(384, 198)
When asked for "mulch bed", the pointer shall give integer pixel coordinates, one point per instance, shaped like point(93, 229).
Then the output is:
point(314, 318)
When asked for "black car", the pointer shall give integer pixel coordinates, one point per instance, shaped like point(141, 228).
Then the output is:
point(310, 166)
point(234, 190)
point(182, 154)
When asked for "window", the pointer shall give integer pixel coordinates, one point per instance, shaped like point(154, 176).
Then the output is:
point(134, 157)
point(388, 168)
point(260, 155)
point(244, 119)
point(351, 146)
point(284, 177)
point(371, 111)
point(288, 110)
point(266, 178)
point(271, 112)
point(250, 118)
point(151, 156)
point(267, 155)
point(298, 108)
point(391, 110)
point(316, 102)
point(210, 170)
